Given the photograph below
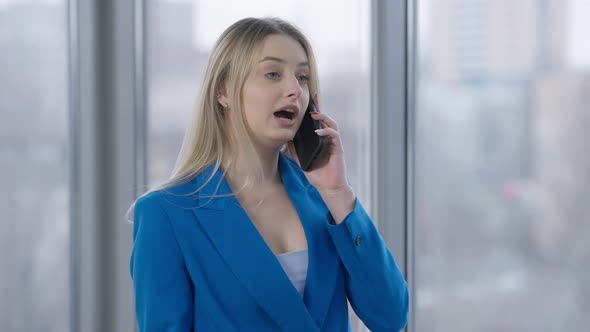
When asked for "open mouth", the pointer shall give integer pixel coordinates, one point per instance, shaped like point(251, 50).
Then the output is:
point(285, 114)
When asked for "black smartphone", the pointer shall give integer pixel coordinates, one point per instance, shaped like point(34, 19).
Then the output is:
point(308, 144)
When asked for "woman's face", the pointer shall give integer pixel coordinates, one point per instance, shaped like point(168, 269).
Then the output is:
point(276, 92)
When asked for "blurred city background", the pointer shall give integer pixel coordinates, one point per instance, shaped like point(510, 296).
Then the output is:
point(502, 159)
point(503, 166)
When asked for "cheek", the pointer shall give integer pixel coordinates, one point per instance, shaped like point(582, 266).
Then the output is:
point(249, 101)
point(254, 111)
point(257, 104)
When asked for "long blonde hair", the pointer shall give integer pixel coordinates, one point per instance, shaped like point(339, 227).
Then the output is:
point(211, 139)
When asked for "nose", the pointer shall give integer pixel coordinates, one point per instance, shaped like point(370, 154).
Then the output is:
point(293, 87)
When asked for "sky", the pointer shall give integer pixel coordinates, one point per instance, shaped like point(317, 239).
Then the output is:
point(579, 33)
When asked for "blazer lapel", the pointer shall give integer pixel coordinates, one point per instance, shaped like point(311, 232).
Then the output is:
point(249, 257)
point(324, 262)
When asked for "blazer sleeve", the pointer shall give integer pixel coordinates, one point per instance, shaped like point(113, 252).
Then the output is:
point(163, 291)
point(375, 285)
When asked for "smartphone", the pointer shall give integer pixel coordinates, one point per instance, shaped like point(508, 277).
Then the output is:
point(308, 144)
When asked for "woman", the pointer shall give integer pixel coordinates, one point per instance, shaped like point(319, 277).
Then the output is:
point(240, 238)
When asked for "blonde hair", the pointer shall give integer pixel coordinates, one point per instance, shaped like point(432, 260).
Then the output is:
point(211, 139)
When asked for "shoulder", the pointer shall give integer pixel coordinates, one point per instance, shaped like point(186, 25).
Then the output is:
point(177, 193)
point(162, 210)
point(183, 194)
point(150, 206)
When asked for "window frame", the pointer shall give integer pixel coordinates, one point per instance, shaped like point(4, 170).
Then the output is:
point(392, 149)
point(108, 138)
point(106, 131)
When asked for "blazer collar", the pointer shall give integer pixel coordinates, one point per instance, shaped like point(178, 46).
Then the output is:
point(254, 264)
point(217, 194)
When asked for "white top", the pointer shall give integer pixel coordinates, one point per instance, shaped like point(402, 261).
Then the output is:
point(295, 265)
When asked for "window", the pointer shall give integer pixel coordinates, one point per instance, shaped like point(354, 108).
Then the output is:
point(34, 200)
point(181, 35)
point(502, 166)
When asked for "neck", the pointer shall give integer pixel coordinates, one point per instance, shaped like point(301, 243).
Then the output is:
point(269, 161)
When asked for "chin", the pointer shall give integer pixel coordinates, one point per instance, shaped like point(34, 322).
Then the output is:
point(285, 134)
point(279, 141)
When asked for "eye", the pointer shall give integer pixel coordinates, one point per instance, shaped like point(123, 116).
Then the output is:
point(273, 75)
point(303, 78)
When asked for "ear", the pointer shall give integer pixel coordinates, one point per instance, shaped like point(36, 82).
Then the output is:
point(222, 97)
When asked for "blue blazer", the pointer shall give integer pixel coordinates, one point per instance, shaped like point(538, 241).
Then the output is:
point(199, 264)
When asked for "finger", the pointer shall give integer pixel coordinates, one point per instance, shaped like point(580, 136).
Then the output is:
point(328, 121)
point(331, 134)
point(332, 139)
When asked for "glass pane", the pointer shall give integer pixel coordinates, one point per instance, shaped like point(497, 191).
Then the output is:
point(34, 199)
point(502, 180)
point(181, 35)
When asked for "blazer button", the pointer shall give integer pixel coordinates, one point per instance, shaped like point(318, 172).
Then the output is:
point(358, 240)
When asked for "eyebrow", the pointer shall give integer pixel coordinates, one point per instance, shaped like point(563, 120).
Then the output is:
point(272, 58)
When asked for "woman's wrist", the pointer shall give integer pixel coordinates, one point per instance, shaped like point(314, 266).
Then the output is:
point(340, 202)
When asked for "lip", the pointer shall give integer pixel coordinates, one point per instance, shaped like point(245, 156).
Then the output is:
point(294, 107)
point(283, 122)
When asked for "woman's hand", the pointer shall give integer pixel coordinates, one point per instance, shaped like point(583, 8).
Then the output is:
point(328, 174)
